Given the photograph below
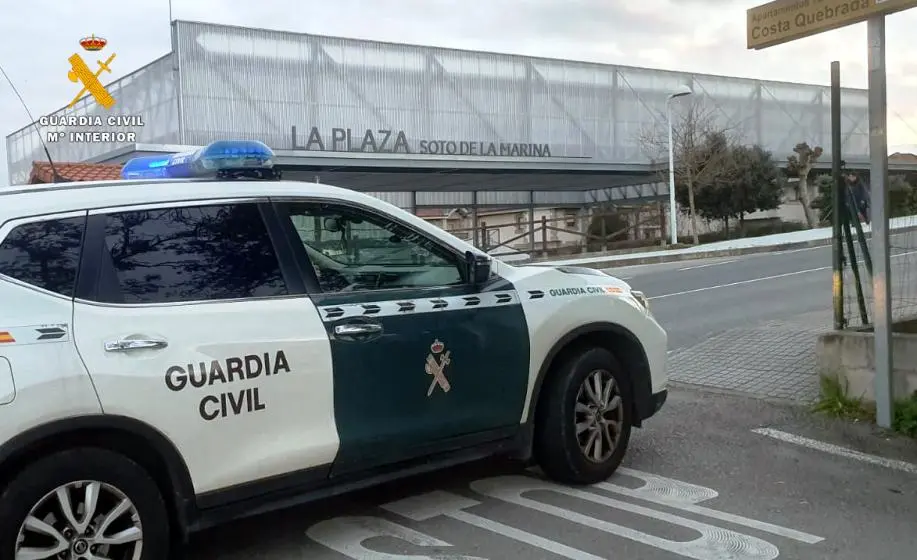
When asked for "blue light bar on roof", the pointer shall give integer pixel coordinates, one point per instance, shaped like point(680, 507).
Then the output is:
point(209, 161)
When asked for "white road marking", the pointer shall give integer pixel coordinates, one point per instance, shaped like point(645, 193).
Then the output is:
point(753, 280)
point(712, 543)
point(684, 496)
point(837, 450)
point(524, 537)
point(433, 504)
point(795, 250)
point(345, 535)
point(706, 265)
point(896, 255)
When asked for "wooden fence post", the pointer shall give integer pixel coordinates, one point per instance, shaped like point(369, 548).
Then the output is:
point(604, 233)
point(544, 236)
point(583, 223)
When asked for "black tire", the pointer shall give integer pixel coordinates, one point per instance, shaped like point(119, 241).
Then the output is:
point(45, 475)
point(557, 448)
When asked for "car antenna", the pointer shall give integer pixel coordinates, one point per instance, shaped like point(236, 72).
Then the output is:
point(57, 177)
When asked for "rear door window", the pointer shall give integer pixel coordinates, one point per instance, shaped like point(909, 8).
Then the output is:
point(195, 253)
point(44, 254)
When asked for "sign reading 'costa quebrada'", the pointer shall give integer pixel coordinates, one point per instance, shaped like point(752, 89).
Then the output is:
point(782, 21)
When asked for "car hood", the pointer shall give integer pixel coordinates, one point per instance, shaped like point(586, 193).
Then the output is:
point(591, 275)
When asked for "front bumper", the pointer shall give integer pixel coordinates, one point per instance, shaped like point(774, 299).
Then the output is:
point(656, 402)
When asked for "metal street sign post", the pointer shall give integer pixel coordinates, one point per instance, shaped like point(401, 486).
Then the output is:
point(782, 21)
point(838, 200)
point(878, 179)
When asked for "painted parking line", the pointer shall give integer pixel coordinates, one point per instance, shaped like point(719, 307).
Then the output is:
point(837, 450)
point(352, 536)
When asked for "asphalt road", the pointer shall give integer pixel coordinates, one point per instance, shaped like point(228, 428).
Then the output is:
point(695, 298)
point(698, 483)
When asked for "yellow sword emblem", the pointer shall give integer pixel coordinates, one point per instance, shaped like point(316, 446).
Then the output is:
point(436, 369)
point(81, 73)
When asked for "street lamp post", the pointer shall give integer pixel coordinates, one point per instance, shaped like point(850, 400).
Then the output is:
point(673, 223)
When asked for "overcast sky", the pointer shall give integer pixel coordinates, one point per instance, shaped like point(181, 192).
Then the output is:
point(704, 36)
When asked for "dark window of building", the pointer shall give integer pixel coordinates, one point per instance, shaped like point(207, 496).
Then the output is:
point(188, 254)
point(44, 254)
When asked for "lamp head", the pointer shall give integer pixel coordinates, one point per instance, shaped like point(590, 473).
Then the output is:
point(681, 91)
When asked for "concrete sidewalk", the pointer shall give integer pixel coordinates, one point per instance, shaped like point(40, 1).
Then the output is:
point(766, 243)
point(769, 359)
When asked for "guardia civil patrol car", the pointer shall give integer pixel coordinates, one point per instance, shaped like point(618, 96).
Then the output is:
point(195, 344)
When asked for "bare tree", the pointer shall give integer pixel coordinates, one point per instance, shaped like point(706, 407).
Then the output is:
point(702, 149)
point(799, 165)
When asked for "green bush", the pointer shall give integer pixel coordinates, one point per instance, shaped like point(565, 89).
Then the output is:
point(902, 197)
point(614, 223)
point(905, 420)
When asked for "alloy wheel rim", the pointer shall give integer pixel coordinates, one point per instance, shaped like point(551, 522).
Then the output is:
point(598, 416)
point(81, 520)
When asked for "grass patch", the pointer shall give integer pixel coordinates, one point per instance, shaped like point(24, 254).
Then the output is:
point(905, 420)
point(836, 402)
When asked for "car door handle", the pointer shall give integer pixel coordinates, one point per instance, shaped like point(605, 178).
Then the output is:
point(357, 329)
point(127, 344)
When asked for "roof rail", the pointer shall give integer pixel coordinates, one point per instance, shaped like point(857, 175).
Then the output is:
point(75, 185)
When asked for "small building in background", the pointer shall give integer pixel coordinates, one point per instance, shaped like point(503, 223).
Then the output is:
point(73, 172)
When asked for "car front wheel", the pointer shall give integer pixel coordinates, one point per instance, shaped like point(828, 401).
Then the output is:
point(584, 418)
point(83, 504)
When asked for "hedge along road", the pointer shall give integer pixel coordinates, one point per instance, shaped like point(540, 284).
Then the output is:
point(722, 492)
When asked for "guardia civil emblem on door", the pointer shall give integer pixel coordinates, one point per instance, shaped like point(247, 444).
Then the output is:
point(437, 360)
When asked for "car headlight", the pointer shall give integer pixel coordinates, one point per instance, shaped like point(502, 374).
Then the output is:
point(641, 298)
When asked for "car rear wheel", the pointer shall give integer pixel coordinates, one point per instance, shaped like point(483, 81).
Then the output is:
point(83, 504)
point(584, 418)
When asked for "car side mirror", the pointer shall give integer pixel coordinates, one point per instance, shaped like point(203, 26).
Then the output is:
point(478, 268)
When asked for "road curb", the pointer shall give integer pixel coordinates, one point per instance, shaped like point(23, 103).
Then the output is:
point(657, 259)
point(694, 255)
point(804, 404)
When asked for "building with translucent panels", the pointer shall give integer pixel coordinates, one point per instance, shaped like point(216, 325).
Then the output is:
point(427, 126)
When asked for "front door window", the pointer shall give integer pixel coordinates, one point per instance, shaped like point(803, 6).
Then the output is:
point(353, 251)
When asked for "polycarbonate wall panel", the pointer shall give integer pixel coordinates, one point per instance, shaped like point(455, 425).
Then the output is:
point(148, 92)
point(561, 197)
point(259, 83)
point(400, 199)
point(444, 199)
